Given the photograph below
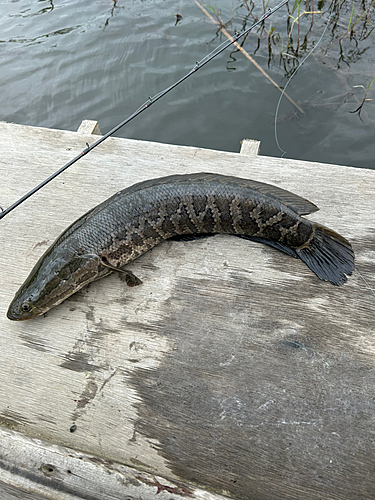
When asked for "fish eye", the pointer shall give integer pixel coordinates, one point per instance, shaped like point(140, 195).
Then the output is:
point(26, 306)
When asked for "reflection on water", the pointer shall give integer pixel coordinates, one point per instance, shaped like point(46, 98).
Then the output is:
point(62, 63)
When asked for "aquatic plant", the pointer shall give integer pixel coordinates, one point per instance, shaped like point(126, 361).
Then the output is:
point(286, 40)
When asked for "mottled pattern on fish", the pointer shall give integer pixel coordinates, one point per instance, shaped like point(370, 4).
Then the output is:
point(136, 219)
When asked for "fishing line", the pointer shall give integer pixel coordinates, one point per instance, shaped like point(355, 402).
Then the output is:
point(365, 282)
point(277, 111)
point(291, 76)
point(146, 105)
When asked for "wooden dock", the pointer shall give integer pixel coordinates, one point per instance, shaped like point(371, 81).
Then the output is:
point(232, 371)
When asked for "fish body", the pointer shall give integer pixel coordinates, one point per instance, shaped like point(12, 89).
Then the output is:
point(139, 217)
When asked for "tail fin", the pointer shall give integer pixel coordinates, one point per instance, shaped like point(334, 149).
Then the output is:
point(328, 255)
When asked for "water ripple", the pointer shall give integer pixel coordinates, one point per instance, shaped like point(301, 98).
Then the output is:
point(68, 61)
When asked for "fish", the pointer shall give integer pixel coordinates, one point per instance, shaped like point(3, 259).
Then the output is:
point(182, 206)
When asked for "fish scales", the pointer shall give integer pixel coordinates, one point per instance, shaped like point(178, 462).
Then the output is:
point(121, 230)
point(139, 217)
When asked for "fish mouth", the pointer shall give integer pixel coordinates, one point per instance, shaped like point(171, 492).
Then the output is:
point(13, 317)
point(15, 314)
point(16, 317)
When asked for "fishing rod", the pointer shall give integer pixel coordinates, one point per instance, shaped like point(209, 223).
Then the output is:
point(151, 100)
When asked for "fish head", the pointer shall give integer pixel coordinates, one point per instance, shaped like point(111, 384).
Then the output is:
point(54, 278)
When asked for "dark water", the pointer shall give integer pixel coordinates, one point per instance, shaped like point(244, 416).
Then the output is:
point(62, 62)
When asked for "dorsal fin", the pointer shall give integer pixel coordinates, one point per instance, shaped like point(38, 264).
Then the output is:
point(300, 205)
point(296, 203)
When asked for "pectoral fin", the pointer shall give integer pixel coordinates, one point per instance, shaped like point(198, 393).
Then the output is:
point(126, 275)
point(130, 278)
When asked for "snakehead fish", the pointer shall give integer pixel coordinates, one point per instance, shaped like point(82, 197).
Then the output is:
point(139, 217)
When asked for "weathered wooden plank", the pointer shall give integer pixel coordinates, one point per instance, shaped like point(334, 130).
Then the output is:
point(232, 366)
point(250, 147)
point(89, 127)
point(31, 469)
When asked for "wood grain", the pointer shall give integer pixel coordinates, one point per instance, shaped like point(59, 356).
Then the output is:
point(31, 469)
point(232, 367)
